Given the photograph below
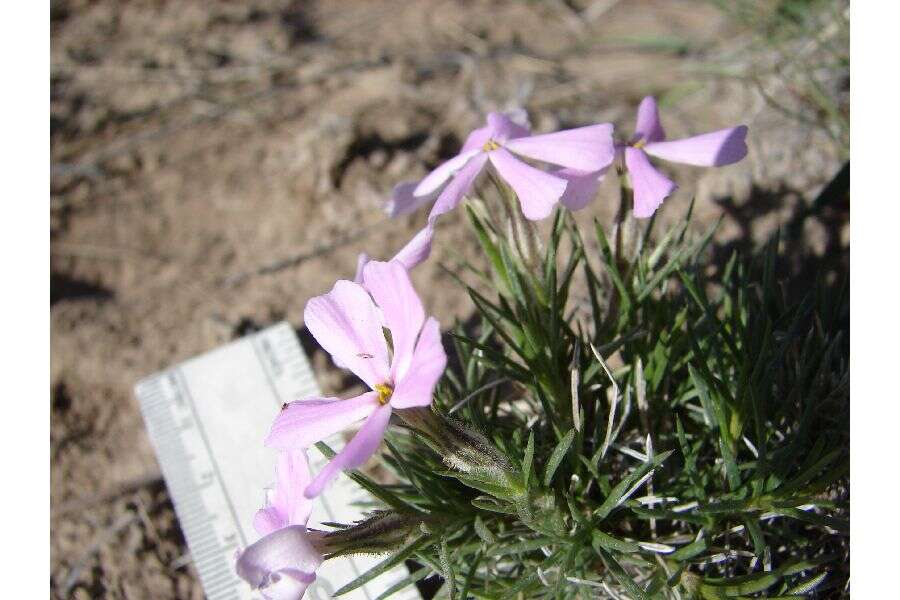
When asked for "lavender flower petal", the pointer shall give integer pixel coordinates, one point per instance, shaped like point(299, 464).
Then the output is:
point(390, 286)
point(355, 453)
point(715, 149)
point(346, 323)
point(648, 127)
point(650, 186)
point(302, 424)
point(584, 148)
point(538, 191)
point(416, 387)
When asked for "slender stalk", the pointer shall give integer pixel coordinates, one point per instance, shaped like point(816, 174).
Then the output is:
point(522, 231)
point(626, 200)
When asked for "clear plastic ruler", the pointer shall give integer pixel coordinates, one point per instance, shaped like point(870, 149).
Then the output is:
point(207, 418)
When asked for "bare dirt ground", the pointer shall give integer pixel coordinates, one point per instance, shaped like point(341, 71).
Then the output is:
point(216, 164)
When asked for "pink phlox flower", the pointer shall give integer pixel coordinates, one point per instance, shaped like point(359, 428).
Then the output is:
point(718, 148)
point(714, 149)
point(503, 142)
point(403, 199)
point(283, 563)
point(347, 322)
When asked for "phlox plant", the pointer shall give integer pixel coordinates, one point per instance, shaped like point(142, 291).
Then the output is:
point(619, 420)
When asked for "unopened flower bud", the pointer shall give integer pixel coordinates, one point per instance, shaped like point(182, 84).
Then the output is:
point(382, 532)
point(464, 449)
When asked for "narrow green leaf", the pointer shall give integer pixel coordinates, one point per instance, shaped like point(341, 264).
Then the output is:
point(493, 505)
point(395, 559)
point(808, 585)
point(516, 285)
point(519, 547)
point(557, 456)
point(531, 579)
point(448, 573)
point(757, 582)
point(617, 493)
point(577, 512)
point(404, 583)
point(624, 579)
point(712, 401)
point(482, 531)
point(490, 249)
point(603, 540)
point(528, 461)
point(464, 593)
point(842, 525)
point(611, 267)
point(756, 534)
point(690, 551)
point(487, 483)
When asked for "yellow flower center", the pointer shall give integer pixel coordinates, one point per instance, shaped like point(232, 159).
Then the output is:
point(639, 144)
point(384, 392)
point(490, 145)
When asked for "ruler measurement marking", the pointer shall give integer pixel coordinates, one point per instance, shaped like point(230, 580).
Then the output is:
point(213, 561)
point(181, 474)
point(215, 565)
point(202, 531)
point(230, 596)
point(156, 405)
point(221, 583)
point(223, 587)
point(207, 540)
point(220, 578)
point(193, 514)
point(195, 518)
point(188, 505)
point(170, 432)
point(220, 567)
point(192, 507)
point(215, 465)
point(183, 481)
point(215, 570)
point(262, 363)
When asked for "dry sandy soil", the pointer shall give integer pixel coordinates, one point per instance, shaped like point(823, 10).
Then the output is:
point(216, 164)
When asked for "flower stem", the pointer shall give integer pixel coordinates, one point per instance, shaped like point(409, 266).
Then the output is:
point(626, 199)
point(521, 231)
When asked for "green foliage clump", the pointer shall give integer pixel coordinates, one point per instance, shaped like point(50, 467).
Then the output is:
point(625, 426)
